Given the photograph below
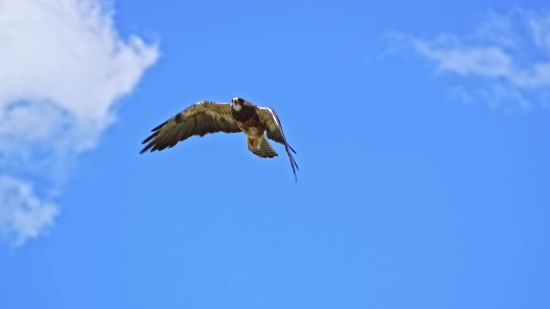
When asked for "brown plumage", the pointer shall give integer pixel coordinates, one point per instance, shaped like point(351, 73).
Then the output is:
point(211, 117)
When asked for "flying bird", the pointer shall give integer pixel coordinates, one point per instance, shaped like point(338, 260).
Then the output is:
point(207, 117)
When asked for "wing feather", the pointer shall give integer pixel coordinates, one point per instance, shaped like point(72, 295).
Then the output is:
point(274, 131)
point(198, 119)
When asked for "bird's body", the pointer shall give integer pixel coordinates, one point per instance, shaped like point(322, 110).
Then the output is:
point(247, 119)
point(211, 117)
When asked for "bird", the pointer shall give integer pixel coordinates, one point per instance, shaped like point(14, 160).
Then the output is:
point(207, 117)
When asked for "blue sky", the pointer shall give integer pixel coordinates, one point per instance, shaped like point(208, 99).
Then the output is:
point(422, 137)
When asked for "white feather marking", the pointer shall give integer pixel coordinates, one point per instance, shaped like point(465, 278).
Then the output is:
point(236, 107)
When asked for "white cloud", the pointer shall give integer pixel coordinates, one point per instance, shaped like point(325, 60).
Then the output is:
point(504, 62)
point(23, 215)
point(63, 68)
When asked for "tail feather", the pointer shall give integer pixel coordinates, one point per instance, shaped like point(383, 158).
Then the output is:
point(264, 150)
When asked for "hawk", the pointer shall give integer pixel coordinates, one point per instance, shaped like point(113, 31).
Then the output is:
point(206, 117)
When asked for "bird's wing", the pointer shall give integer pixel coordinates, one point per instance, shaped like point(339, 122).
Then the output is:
point(274, 131)
point(198, 119)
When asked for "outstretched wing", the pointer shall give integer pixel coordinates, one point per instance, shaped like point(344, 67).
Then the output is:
point(198, 119)
point(274, 131)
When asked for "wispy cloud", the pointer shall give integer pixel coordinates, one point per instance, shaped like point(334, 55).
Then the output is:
point(23, 215)
point(505, 61)
point(63, 68)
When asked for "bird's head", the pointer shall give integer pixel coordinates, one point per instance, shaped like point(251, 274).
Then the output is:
point(237, 103)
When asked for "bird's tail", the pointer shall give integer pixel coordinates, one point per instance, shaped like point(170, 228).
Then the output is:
point(261, 147)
